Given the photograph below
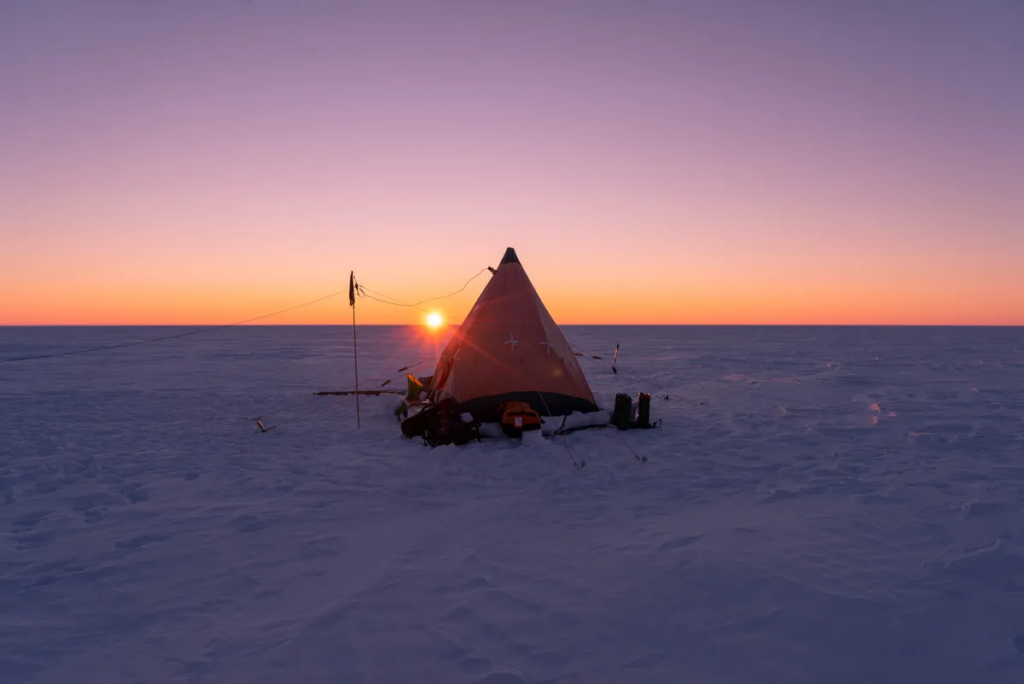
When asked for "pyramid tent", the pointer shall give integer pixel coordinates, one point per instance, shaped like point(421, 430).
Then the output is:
point(510, 349)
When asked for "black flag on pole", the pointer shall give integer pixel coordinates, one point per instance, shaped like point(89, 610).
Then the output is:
point(352, 288)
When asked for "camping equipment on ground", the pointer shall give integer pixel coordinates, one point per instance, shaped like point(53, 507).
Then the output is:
point(440, 424)
point(517, 417)
point(626, 416)
point(622, 416)
point(643, 411)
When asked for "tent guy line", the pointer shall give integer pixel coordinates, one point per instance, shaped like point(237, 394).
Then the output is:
point(168, 337)
point(361, 290)
point(122, 345)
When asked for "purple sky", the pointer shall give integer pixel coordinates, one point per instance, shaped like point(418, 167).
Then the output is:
point(650, 161)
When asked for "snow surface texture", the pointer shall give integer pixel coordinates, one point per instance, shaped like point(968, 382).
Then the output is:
point(821, 505)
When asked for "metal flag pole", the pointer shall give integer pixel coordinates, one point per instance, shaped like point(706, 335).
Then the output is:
point(355, 347)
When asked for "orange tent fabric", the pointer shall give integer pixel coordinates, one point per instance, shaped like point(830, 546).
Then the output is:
point(510, 349)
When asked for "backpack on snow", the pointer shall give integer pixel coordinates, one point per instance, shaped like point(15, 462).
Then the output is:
point(441, 424)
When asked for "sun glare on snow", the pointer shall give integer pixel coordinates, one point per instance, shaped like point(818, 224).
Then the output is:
point(434, 320)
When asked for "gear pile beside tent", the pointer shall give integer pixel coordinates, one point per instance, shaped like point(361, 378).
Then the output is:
point(507, 357)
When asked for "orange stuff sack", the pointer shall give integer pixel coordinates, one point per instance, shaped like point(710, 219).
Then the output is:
point(517, 417)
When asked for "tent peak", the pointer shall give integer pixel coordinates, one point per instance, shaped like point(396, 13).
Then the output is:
point(510, 257)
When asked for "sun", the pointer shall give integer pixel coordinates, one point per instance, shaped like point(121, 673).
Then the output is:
point(434, 320)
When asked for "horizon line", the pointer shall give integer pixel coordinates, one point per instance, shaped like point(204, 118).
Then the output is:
point(214, 326)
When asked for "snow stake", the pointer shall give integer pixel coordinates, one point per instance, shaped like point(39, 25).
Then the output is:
point(580, 464)
point(642, 459)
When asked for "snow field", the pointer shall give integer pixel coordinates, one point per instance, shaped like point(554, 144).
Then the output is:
point(821, 504)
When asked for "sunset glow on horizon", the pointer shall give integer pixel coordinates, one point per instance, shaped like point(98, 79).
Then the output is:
point(691, 163)
point(434, 320)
